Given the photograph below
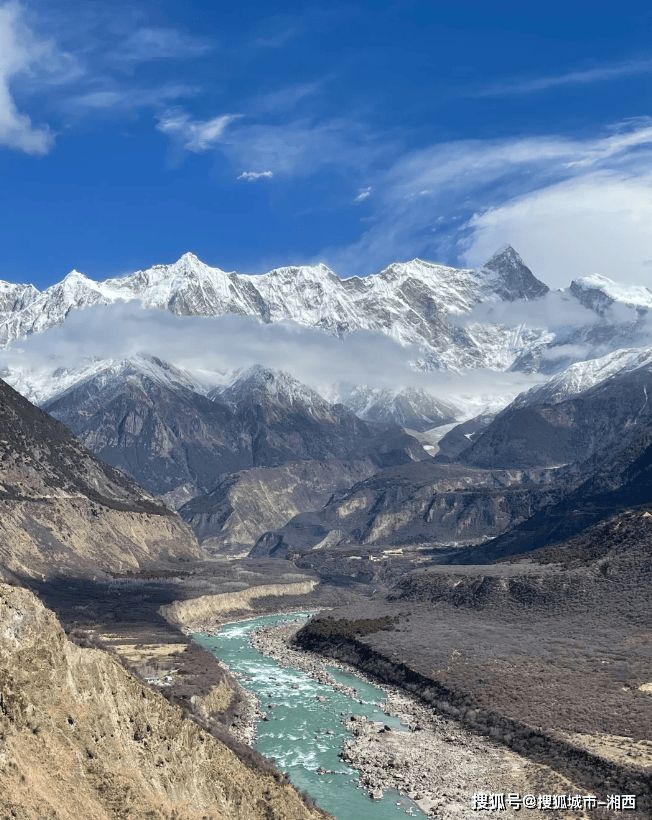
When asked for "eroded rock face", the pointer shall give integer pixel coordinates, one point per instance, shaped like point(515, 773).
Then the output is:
point(251, 502)
point(416, 503)
point(83, 738)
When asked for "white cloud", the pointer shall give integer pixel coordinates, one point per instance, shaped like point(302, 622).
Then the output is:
point(195, 135)
point(225, 343)
point(557, 311)
point(363, 193)
point(252, 176)
point(569, 206)
point(597, 223)
point(20, 52)
point(595, 74)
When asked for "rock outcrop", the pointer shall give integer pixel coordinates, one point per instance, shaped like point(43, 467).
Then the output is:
point(251, 502)
point(422, 502)
point(196, 611)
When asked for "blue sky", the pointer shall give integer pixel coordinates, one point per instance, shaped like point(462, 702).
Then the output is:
point(357, 133)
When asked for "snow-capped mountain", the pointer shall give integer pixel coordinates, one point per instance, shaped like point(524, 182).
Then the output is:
point(410, 407)
point(582, 376)
point(449, 318)
point(260, 385)
point(157, 424)
point(41, 384)
point(412, 302)
point(599, 293)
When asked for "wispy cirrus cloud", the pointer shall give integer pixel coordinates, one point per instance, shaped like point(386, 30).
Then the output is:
point(586, 76)
point(152, 43)
point(363, 193)
point(570, 206)
point(114, 98)
point(86, 67)
point(254, 176)
point(196, 136)
point(292, 147)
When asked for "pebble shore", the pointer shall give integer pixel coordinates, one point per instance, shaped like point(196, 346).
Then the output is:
point(435, 762)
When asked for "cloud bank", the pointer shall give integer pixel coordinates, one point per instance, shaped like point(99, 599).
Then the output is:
point(213, 347)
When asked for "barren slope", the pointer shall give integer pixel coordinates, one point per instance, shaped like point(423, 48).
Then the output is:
point(83, 738)
point(63, 510)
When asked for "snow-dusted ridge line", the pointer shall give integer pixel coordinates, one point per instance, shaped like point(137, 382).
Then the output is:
point(596, 289)
point(44, 384)
point(413, 303)
point(582, 376)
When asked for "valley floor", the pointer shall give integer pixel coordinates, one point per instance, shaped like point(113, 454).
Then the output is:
point(506, 698)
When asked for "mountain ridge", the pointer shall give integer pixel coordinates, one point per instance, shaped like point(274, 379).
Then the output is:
point(63, 510)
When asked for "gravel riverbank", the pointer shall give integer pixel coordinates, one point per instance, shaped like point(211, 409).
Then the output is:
point(435, 762)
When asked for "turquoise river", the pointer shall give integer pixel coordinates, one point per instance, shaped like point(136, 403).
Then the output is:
point(307, 724)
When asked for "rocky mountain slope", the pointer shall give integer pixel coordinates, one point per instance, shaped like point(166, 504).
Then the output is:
point(63, 510)
point(596, 491)
point(83, 738)
point(420, 503)
point(587, 410)
point(248, 503)
point(144, 417)
point(410, 407)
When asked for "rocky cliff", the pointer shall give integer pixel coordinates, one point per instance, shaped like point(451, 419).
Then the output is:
point(195, 611)
point(82, 738)
point(423, 502)
point(251, 502)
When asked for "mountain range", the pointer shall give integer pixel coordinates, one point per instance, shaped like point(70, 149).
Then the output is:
point(455, 318)
point(559, 458)
point(247, 453)
point(146, 418)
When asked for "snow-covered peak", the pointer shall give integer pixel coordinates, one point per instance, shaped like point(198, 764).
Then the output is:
point(75, 276)
point(15, 297)
point(410, 407)
point(264, 384)
point(598, 293)
point(42, 383)
point(582, 376)
point(509, 278)
point(504, 256)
